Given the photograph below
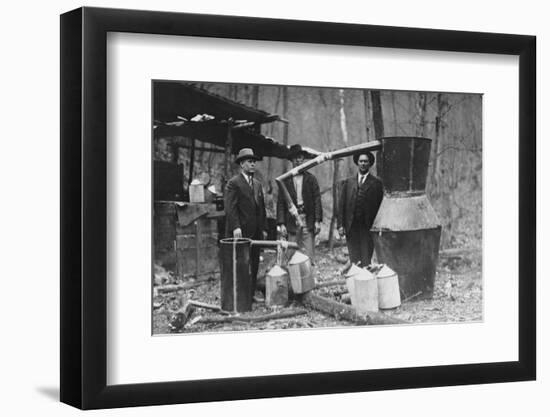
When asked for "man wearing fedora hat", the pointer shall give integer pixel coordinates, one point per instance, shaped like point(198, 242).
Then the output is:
point(359, 201)
point(304, 191)
point(245, 215)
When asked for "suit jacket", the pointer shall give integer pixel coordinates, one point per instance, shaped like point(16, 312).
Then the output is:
point(346, 202)
point(244, 207)
point(311, 196)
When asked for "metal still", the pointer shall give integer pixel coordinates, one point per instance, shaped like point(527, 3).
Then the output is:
point(406, 230)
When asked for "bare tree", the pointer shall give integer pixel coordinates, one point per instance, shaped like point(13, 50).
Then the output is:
point(421, 114)
point(368, 114)
point(336, 170)
point(377, 116)
point(255, 96)
point(394, 113)
point(284, 92)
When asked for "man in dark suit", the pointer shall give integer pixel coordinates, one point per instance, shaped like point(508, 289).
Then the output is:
point(245, 209)
point(360, 198)
point(305, 194)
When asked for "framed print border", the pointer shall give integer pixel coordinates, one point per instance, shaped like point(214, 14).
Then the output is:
point(84, 207)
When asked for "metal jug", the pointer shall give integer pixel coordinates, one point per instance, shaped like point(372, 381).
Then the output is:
point(363, 289)
point(196, 191)
point(276, 287)
point(388, 288)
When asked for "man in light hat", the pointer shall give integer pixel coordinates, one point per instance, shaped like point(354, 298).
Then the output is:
point(245, 214)
point(360, 198)
point(306, 196)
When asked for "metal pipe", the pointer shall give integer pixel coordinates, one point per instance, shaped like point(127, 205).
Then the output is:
point(326, 156)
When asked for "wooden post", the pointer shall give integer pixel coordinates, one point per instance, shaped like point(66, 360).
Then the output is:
point(191, 161)
point(198, 231)
point(228, 150)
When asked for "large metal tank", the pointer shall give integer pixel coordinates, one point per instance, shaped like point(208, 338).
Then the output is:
point(407, 231)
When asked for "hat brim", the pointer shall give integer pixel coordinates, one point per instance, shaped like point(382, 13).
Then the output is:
point(296, 154)
point(256, 158)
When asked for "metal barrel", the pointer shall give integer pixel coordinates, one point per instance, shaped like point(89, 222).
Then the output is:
point(236, 281)
point(406, 230)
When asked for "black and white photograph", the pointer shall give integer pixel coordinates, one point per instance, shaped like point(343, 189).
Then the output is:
point(275, 209)
point(279, 207)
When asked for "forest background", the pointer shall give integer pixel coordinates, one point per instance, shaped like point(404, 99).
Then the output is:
point(326, 119)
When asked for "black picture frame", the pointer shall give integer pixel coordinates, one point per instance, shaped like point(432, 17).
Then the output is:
point(84, 207)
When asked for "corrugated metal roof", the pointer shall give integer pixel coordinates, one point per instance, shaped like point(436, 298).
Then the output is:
point(182, 109)
point(176, 99)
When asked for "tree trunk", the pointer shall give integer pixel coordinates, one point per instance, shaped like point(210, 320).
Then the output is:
point(334, 203)
point(336, 172)
point(442, 108)
point(377, 116)
point(368, 115)
point(394, 113)
point(343, 126)
point(421, 112)
point(285, 125)
point(255, 96)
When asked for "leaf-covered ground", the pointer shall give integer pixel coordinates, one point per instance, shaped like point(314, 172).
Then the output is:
point(457, 297)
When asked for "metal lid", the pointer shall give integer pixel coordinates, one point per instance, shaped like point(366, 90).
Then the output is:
point(276, 271)
point(359, 273)
point(386, 272)
point(298, 258)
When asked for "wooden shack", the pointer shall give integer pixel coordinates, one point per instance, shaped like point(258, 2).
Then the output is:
point(189, 120)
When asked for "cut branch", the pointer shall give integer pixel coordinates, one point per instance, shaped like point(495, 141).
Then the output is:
point(252, 319)
point(331, 283)
point(178, 287)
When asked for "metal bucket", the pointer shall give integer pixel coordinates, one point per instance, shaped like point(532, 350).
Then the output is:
point(301, 273)
point(236, 281)
point(388, 288)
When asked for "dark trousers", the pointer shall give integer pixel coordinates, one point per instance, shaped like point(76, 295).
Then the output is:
point(360, 244)
point(254, 262)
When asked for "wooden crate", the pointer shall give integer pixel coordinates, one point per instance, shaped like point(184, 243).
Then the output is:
point(164, 225)
point(197, 248)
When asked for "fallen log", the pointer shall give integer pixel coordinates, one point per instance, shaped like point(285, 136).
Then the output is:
point(208, 306)
point(346, 312)
point(458, 251)
point(331, 283)
point(332, 308)
point(162, 289)
point(253, 319)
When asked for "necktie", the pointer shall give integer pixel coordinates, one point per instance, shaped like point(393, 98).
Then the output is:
point(250, 181)
point(362, 179)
